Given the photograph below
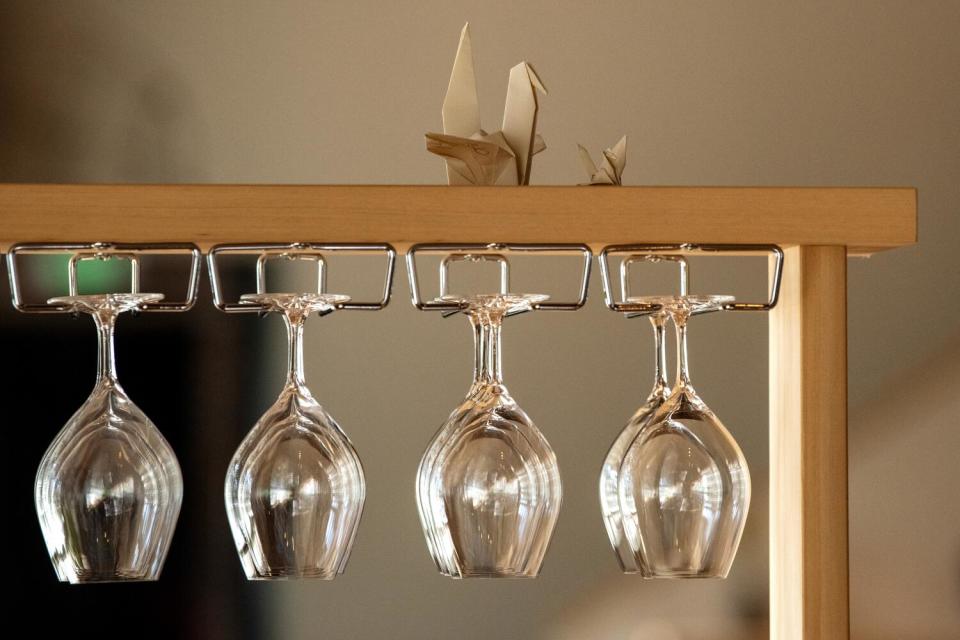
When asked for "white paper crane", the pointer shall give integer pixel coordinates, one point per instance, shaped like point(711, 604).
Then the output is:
point(610, 170)
point(474, 156)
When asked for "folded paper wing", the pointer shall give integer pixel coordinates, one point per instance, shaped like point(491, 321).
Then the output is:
point(587, 162)
point(471, 160)
point(472, 155)
point(461, 114)
point(615, 159)
point(461, 107)
point(520, 117)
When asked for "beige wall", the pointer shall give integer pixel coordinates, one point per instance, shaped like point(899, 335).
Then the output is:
point(819, 93)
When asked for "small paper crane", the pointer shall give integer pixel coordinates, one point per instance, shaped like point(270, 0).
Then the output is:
point(611, 169)
point(474, 156)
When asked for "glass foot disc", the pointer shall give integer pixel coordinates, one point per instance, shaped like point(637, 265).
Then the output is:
point(691, 303)
point(303, 301)
point(97, 301)
point(506, 302)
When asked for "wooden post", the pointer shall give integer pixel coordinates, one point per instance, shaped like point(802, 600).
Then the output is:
point(808, 448)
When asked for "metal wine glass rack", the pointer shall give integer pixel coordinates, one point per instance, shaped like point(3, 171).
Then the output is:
point(817, 228)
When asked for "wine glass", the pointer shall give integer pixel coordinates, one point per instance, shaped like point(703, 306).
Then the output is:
point(295, 488)
point(684, 486)
point(109, 488)
point(610, 471)
point(488, 486)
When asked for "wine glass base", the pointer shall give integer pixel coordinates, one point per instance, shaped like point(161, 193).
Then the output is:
point(310, 302)
point(508, 303)
point(693, 304)
point(101, 301)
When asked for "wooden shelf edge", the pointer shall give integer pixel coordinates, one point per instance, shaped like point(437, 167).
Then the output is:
point(864, 219)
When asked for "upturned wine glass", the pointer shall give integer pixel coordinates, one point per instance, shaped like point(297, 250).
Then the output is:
point(488, 487)
point(109, 488)
point(610, 471)
point(295, 487)
point(684, 486)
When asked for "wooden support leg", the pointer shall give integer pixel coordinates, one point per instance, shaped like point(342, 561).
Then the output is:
point(808, 448)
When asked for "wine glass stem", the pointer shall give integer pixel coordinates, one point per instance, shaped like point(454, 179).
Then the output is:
point(658, 320)
point(105, 320)
point(683, 370)
point(295, 321)
point(486, 340)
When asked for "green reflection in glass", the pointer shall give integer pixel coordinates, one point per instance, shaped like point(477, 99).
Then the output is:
point(93, 276)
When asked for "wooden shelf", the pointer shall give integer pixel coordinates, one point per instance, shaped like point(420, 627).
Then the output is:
point(864, 220)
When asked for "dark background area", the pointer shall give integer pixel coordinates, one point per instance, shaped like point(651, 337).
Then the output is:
point(188, 373)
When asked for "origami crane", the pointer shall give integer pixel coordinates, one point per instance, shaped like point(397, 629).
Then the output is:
point(610, 170)
point(474, 156)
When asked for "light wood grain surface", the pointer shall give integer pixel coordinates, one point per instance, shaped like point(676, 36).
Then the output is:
point(808, 448)
point(862, 219)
